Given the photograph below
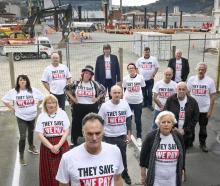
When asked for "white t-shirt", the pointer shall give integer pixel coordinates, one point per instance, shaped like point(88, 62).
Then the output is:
point(84, 169)
point(166, 160)
point(147, 67)
point(108, 74)
point(163, 91)
point(182, 112)
point(115, 118)
point(201, 90)
point(25, 103)
point(85, 92)
point(52, 126)
point(133, 93)
point(56, 77)
point(178, 70)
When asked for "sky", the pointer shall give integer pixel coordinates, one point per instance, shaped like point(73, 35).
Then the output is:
point(133, 2)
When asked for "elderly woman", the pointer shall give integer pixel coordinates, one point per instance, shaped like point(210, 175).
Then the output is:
point(23, 101)
point(53, 128)
point(162, 157)
point(84, 96)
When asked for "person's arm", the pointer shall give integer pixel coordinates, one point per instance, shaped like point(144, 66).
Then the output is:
point(143, 174)
point(118, 180)
point(11, 107)
point(157, 101)
point(70, 95)
point(62, 140)
point(128, 124)
point(212, 102)
point(155, 72)
point(117, 68)
point(46, 85)
point(97, 70)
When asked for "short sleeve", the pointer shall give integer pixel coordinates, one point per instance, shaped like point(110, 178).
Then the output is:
point(120, 166)
point(8, 96)
point(45, 76)
point(62, 174)
point(129, 113)
point(38, 94)
point(212, 87)
point(142, 81)
point(39, 126)
point(66, 120)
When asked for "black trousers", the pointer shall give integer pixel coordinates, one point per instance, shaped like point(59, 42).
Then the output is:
point(78, 113)
point(120, 141)
point(108, 85)
point(203, 122)
point(23, 126)
point(61, 100)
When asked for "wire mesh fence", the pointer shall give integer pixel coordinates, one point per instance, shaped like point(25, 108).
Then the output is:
point(78, 54)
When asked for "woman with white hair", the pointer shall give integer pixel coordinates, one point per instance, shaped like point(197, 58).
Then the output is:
point(162, 157)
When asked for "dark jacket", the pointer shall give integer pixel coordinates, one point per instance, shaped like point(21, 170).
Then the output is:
point(191, 113)
point(100, 69)
point(148, 155)
point(185, 68)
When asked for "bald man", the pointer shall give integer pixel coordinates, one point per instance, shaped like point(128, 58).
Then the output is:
point(186, 111)
point(55, 77)
point(117, 125)
point(161, 91)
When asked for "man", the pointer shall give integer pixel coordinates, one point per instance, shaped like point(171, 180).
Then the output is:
point(202, 88)
point(107, 71)
point(148, 67)
point(55, 77)
point(180, 67)
point(132, 84)
point(161, 91)
point(186, 111)
point(117, 125)
point(93, 162)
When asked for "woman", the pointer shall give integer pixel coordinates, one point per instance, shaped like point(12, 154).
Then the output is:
point(24, 99)
point(53, 128)
point(133, 95)
point(84, 96)
point(162, 157)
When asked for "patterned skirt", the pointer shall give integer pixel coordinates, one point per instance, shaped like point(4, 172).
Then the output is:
point(49, 162)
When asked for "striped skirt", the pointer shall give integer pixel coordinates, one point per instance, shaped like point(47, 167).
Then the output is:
point(49, 162)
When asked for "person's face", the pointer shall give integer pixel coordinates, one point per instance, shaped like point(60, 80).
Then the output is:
point(168, 74)
point(87, 76)
point(55, 59)
point(178, 55)
point(131, 70)
point(106, 51)
point(93, 133)
point(146, 53)
point(181, 91)
point(116, 94)
point(166, 125)
point(201, 71)
point(51, 106)
point(22, 83)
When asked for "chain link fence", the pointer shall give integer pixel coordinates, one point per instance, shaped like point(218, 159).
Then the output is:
point(77, 54)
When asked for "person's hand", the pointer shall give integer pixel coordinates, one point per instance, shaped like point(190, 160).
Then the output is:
point(74, 100)
point(94, 99)
point(128, 138)
point(55, 149)
point(209, 114)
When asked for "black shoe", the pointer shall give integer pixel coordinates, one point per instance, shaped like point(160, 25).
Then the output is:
point(126, 178)
point(204, 148)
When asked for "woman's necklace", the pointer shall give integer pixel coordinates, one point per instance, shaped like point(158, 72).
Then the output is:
point(52, 115)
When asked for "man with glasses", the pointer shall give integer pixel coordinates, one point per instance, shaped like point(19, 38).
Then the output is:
point(132, 83)
point(93, 162)
point(117, 125)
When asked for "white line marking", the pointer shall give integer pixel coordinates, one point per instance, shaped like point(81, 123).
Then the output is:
point(135, 142)
point(17, 168)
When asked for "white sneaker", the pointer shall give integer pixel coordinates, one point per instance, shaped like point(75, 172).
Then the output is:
point(139, 142)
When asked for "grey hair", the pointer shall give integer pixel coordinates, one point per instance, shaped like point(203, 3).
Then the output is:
point(178, 50)
point(201, 63)
point(165, 113)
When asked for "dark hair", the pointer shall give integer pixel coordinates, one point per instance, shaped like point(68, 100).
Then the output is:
point(91, 117)
point(107, 46)
point(131, 64)
point(28, 84)
point(146, 48)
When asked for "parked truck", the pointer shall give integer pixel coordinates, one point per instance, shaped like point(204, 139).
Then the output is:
point(40, 48)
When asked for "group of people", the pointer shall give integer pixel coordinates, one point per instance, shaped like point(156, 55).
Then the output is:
point(179, 105)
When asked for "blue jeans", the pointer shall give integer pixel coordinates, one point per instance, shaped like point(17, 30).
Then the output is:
point(61, 100)
point(137, 108)
point(148, 92)
point(154, 125)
